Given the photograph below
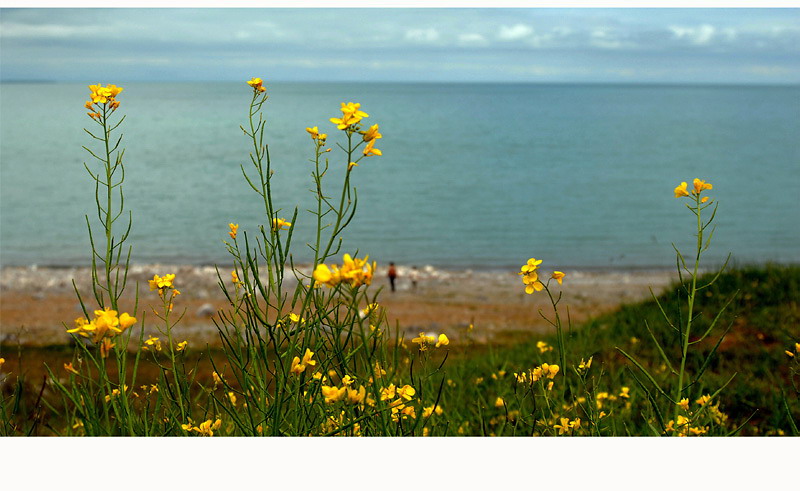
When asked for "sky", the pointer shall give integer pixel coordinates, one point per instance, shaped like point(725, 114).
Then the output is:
point(736, 46)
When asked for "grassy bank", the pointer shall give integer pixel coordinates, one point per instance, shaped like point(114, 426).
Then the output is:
point(763, 320)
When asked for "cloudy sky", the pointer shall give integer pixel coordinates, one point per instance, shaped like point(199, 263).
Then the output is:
point(514, 45)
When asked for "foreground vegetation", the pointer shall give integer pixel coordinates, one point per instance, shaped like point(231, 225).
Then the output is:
point(321, 358)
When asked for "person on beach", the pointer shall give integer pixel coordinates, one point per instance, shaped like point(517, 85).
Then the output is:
point(392, 274)
point(414, 275)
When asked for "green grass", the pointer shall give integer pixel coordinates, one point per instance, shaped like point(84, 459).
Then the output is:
point(763, 318)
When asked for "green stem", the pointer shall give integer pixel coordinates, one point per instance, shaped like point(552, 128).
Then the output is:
point(691, 299)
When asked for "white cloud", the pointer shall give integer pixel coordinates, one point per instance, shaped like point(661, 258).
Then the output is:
point(429, 35)
point(518, 31)
point(603, 38)
point(696, 35)
point(471, 38)
point(50, 31)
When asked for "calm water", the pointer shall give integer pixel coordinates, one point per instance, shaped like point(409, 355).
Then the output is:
point(472, 175)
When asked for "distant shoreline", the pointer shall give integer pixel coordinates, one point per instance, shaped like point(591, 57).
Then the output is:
point(480, 268)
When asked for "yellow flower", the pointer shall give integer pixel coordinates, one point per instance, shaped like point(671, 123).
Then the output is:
point(297, 368)
point(530, 278)
point(351, 165)
point(234, 228)
point(181, 346)
point(684, 404)
point(564, 427)
point(126, 321)
point(322, 274)
point(443, 341)
point(423, 340)
point(388, 392)
point(67, 366)
point(153, 342)
point(206, 428)
point(698, 430)
point(102, 95)
point(558, 276)
point(625, 394)
point(680, 191)
point(232, 398)
point(543, 347)
point(316, 135)
point(703, 400)
point(499, 402)
point(255, 83)
point(351, 115)
point(161, 283)
point(235, 277)
point(370, 149)
point(280, 223)
point(406, 392)
point(307, 361)
point(428, 411)
point(369, 135)
point(585, 365)
point(314, 132)
point(332, 394)
point(354, 271)
point(356, 396)
point(700, 185)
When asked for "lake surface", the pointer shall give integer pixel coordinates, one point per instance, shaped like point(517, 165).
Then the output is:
point(472, 175)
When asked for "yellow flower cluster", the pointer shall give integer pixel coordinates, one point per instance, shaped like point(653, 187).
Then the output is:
point(106, 324)
point(546, 370)
point(234, 230)
point(152, 343)
point(354, 272)
point(102, 95)
point(699, 186)
point(567, 425)
point(162, 283)
point(601, 397)
point(543, 347)
point(400, 410)
point(351, 115)
point(370, 136)
point(530, 277)
point(300, 366)
point(256, 84)
point(346, 393)
point(424, 340)
point(317, 136)
point(206, 428)
point(427, 412)
point(681, 427)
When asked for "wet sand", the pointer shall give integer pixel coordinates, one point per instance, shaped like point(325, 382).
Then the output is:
point(36, 302)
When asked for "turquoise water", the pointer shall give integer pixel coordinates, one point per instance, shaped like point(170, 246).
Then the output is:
point(472, 175)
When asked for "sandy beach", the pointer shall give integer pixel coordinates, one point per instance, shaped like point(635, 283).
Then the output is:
point(35, 302)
